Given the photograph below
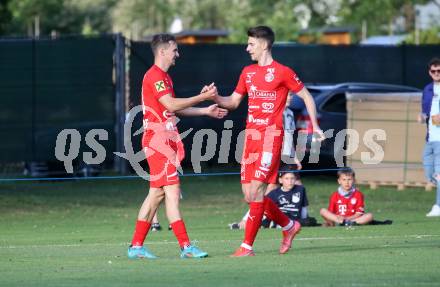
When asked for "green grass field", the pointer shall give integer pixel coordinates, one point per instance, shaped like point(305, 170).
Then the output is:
point(76, 233)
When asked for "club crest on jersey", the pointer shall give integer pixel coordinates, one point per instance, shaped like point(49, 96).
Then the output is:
point(160, 86)
point(295, 198)
point(353, 201)
point(270, 75)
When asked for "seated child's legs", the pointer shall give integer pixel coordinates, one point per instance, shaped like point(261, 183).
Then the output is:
point(330, 217)
point(364, 219)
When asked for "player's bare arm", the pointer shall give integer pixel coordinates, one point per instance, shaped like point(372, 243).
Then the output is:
point(213, 111)
point(311, 109)
point(231, 102)
point(177, 104)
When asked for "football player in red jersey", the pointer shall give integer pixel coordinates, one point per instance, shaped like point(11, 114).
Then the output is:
point(346, 206)
point(163, 146)
point(267, 84)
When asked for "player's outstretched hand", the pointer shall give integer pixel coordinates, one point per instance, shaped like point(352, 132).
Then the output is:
point(207, 88)
point(215, 111)
point(209, 92)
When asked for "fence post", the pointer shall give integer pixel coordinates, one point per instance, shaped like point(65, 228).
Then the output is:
point(120, 163)
point(403, 50)
point(34, 99)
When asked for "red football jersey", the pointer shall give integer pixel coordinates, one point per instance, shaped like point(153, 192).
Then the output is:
point(156, 83)
point(343, 206)
point(267, 88)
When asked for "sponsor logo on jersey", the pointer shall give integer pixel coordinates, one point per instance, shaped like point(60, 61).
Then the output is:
point(170, 126)
point(342, 209)
point(264, 95)
point(257, 121)
point(160, 86)
point(298, 81)
point(259, 173)
point(282, 200)
point(267, 107)
point(249, 77)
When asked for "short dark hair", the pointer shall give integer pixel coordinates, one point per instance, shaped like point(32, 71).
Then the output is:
point(161, 39)
point(434, 62)
point(346, 171)
point(289, 169)
point(262, 32)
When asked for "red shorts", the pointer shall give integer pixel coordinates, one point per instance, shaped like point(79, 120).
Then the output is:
point(162, 171)
point(163, 165)
point(261, 159)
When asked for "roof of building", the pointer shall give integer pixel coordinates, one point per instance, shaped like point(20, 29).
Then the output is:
point(384, 40)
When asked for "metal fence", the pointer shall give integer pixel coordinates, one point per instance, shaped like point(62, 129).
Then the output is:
point(49, 85)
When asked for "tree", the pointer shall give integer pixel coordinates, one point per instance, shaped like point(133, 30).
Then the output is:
point(137, 18)
point(278, 14)
point(5, 17)
point(379, 15)
point(430, 36)
point(62, 16)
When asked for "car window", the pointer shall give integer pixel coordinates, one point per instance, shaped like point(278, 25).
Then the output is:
point(314, 92)
point(337, 103)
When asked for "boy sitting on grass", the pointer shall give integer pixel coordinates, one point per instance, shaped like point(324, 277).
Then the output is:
point(291, 198)
point(346, 206)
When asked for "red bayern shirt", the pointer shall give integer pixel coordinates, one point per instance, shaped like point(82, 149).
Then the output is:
point(267, 88)
point(346, 206)
point(156, 83)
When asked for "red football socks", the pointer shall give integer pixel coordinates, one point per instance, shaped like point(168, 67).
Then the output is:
point(179, 230)
point(253, 223)
point(140, 232)
point(274, 213)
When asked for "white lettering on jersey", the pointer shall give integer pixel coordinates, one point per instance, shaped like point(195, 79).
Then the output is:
point(264, 95)
point(145, 123)
point(258, 122)
point(249, 77)
point(298, 81)
point(251, 108)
